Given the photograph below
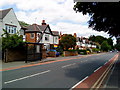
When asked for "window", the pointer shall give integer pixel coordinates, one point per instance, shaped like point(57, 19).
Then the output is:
point(37, 49)
point(14, 29)
point(6, 27)
point(47, 37)
point(10, 29)
point(56, 39)
point(32, 35)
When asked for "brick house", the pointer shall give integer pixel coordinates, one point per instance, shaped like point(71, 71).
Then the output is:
point(42, 34)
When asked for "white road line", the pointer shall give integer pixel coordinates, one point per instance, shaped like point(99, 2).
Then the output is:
point(79, 83)
point(97, 68)
point(26, 77)
point(68, 65)
point(106, 63)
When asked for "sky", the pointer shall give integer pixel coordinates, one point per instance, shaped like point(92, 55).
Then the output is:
point(59, 14)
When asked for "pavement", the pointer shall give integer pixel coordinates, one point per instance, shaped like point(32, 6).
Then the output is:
point(22, 63)
point(113, 81)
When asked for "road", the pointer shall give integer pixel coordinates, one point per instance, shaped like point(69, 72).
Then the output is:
point(63, 74)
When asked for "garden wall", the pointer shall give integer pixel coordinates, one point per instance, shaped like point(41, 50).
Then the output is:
point(70, 53)
point(51, 54)
point(15, 55)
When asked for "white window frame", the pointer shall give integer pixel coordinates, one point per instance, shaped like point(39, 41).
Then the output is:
point(10, 29)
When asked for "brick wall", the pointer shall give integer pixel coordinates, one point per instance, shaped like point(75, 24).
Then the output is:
point(51, 54)
point(44, 53)
point(69, 53)
point(29, 39)
point(15, 55)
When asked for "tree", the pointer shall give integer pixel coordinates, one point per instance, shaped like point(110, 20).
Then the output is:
point(105, 46)
point(67, 41)
point(117, 46)
point(98, 39)
point(110, 42)
point(92, 38)
point(11, 41)
point(24, 24)
point(104, 16)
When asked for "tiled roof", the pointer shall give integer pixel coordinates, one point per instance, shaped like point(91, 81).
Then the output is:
point(36, 28)
point(39, 28)
point(3, 13)
point(55, 33)
point(33, 27)
point(43, 27)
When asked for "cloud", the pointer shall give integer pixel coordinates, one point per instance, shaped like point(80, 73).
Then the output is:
point(58, 13)
point(80, 30)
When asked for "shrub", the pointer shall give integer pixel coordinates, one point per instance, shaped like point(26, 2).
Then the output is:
point(83, 52)
point(95, 49)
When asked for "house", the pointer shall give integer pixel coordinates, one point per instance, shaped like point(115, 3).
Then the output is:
point(42, 34)
point(9, 21)
point(83, 43)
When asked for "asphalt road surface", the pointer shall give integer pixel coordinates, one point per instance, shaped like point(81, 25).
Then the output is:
point(63, 74)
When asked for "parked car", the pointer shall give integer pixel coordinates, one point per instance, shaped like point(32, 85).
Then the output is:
point(53, 50)
point(111, 51)
point(98, 51)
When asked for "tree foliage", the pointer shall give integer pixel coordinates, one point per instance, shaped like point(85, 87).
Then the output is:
point(105, 46)
point(11, 41)
point(104, 16)
point(24, 24)
point(117, 46)
point(98, 39)
point(101, 39)
point(67, 41)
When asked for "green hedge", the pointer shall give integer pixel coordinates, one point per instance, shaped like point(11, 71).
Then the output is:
point(82, 52)
point(95, 50)
point(71, 50)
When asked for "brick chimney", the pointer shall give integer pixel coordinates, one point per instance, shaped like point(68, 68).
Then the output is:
point(75, 35)
point(43, 22)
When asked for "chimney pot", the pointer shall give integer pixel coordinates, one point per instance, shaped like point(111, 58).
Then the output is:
point(43, 22)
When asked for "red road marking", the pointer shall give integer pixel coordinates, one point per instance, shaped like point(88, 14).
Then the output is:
point(90, 81)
